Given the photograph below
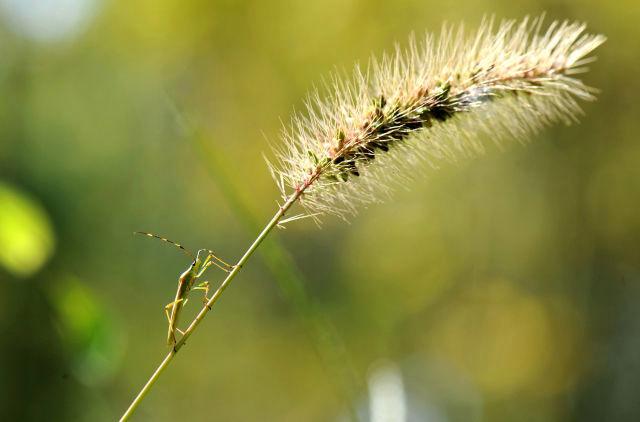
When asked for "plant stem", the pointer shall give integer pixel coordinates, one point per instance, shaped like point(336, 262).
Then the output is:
point(196, 321)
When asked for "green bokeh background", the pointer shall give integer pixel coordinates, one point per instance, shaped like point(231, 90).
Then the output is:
point(503, 288)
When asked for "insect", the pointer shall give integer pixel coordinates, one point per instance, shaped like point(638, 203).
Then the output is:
point(203, 259)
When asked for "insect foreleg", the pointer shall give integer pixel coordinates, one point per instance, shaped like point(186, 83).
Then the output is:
point(212, 259)
point(225, 269)
point(220, 263)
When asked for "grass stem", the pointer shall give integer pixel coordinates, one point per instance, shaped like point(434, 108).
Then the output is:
point(207, 307)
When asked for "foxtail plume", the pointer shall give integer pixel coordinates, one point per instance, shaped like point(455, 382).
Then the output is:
point(435, 100)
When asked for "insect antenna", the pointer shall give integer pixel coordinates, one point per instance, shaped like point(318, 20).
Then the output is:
point(185, 250)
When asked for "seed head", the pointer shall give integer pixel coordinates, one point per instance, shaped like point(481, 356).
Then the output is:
point(435, 100)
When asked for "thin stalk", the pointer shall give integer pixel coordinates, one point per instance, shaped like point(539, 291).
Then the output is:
point(196, 321)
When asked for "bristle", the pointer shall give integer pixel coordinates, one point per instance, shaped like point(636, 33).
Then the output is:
point(434, 101)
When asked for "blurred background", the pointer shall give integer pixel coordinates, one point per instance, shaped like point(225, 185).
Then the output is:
point(505, 288)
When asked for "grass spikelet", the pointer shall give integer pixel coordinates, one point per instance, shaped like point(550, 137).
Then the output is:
point(435, 100)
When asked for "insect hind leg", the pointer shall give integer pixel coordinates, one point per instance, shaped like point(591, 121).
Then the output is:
point(169, 307)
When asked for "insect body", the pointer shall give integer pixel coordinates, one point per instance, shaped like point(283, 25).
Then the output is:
point(187, 282)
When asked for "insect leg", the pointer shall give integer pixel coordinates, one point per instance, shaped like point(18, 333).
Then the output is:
point(212, 259)
point(227, 267)
point(166, 312)
point(204, 286)
point(169, 307)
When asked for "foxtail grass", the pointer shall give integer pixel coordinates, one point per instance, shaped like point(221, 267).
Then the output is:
point(436, 100)
point(433, 101)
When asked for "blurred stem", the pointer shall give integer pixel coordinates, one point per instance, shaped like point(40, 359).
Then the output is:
point(207, 307)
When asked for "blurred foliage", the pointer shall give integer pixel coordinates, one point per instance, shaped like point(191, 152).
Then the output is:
point(502, 288)
point(26, 236)
point(87, 333)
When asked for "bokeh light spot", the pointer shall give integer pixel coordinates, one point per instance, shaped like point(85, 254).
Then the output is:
point(87, 331)
point(26, 236)
point(48, 20)
point(500, 336)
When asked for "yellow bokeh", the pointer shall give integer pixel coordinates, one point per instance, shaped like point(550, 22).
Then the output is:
point(504, 339)
point(26, 236)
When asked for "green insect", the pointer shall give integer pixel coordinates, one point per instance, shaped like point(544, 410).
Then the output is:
point(203, 259)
